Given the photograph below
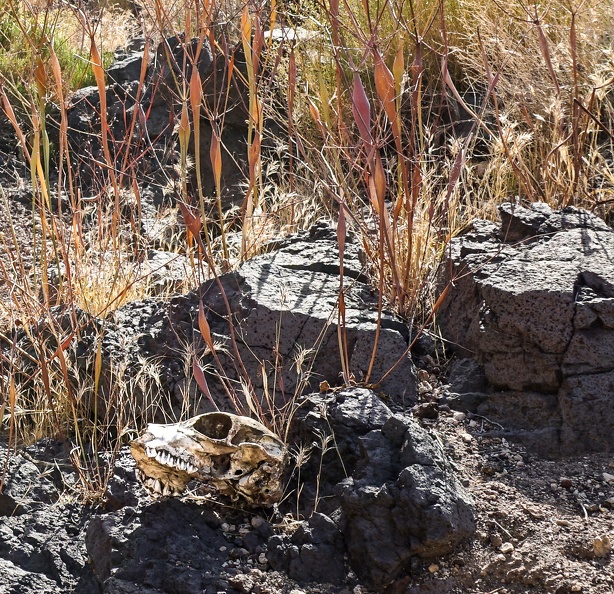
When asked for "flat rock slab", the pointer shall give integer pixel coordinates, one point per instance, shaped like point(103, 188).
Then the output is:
point(533, 301)
point(283, 307)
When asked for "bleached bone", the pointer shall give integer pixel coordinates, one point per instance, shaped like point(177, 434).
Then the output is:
point(216, 452)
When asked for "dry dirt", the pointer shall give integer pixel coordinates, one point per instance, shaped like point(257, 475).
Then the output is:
point(543, 525)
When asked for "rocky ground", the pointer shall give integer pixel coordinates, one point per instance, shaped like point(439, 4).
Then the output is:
point(542, 526)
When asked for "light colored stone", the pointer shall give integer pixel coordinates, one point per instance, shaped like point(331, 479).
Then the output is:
point(507, 548)
point(602, 545)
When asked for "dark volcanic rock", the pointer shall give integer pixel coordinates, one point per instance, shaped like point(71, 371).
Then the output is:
point(314, 553)
point(149, 108)
point(166, 546)
point(538, 314)
point(41, 544)
point(383, 490)
point(386, 482)
point(283, 308)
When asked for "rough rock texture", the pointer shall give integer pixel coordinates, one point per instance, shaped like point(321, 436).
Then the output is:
point(132, 545)
point(149, 111)
point(40, 535)
point(313, 553)
point(283, 307)
point(533, 303)
point(385, 485)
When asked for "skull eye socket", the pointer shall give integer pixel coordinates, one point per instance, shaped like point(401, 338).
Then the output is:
point(214, 426)
point(220, 464)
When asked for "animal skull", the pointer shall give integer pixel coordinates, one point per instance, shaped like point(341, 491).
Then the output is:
point(218, 452)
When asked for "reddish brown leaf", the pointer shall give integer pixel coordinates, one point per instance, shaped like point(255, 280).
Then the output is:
point(192, 221)
point(203, 326)
point(341, 234)
point(215, 154)
point(199, 376)
point(384, 84)
point(361, 109)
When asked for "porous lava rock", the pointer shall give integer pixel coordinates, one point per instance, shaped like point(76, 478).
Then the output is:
point(41, 548)
point(52, 544)
point(383, 482)
point(532, 302)
point(143, 104)
point(283, 307)
point(376, 488)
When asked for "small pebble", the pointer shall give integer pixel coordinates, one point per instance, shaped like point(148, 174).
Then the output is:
point(257, 521)
point(423, 375)
point(424, 388)
point(459, 416)
point(561, 522)
point(608, 478)
point(507, 548)
point(433, 568)
point(496, 540)
point(602, 545)
point(576, 588)
point(565, 482)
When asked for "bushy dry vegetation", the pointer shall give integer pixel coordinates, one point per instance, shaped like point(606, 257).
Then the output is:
point(402, 121)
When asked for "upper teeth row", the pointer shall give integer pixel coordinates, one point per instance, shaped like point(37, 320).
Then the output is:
point(168, 459)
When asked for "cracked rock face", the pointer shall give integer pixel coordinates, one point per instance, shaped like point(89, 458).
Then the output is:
point(214, 453)
point(385, 493)
point(284, 310)
point(533, 302)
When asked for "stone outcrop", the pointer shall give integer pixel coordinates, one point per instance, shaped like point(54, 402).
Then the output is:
point(385, 492)
point(383, 487)
point(532, 302)
point(283, 307)
point(144, 117)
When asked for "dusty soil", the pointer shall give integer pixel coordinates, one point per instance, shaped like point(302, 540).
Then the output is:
point(543, 525)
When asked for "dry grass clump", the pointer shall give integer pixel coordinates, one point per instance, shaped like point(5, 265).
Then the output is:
point(553, 95)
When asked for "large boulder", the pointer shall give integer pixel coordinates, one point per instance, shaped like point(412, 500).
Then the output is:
point(150, 109)
point(381, 482)
point(283, 307)
point(532, 301)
